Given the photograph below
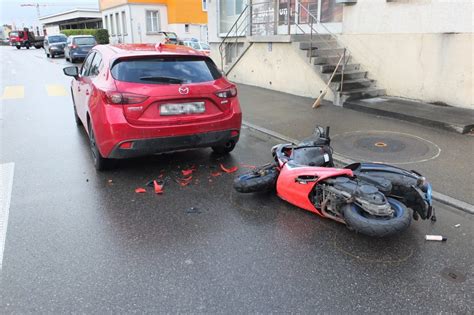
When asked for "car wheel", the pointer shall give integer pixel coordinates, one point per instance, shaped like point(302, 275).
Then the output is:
point(224, 149)
point(52, 56)
point(18, 47)
point(100, 163)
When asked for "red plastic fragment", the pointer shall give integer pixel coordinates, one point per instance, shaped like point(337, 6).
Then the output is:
point(140, 190)
point(185, 181)
point(158, 187)
point(229, 170)
point(187, 172)
point(215, 174)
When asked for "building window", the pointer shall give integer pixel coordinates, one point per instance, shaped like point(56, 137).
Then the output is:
point(152, 21)
point(117, 22)
point(229, 11)
point(124, 23)
point(112, 25)
point(204, 5)
point(186, 28)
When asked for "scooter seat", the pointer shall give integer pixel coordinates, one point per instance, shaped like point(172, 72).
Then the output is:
point(311, 156)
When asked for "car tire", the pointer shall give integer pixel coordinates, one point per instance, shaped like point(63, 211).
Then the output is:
point(100, 163)
point(52, 56)
point(18, 47)
point(27, 45)
point(224, 149)
point(361, 222)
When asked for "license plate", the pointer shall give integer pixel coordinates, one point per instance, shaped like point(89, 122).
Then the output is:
point(182, 108)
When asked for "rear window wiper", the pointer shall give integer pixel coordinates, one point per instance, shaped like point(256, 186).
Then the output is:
point(162, 79)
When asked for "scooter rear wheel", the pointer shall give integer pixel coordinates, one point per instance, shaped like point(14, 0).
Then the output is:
point(364, 223)
point(257, 180)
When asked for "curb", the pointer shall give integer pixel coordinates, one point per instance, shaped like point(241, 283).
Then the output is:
point(452, 127)
point(444, 199)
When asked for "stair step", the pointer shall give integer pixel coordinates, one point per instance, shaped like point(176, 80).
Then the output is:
point(318, 52)
point(326, 60)
point(348, 75)
point(328, 68)
point(355, 84)
point(308, 37)
point(362, 93)
point(318, 43)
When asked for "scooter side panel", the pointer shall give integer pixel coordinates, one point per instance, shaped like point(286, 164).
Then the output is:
point(296, 193)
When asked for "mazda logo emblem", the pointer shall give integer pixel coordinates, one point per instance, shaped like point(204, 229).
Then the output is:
point(183, 90)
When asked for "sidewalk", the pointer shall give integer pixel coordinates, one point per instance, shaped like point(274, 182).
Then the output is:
point(445, 158)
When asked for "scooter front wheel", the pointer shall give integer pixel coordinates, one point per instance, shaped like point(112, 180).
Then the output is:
point(364, 223)
point(262, 179)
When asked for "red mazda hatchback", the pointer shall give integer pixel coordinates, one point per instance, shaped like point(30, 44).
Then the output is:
point(141, 99)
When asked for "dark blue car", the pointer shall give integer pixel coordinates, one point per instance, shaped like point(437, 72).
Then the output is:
point(78, 46)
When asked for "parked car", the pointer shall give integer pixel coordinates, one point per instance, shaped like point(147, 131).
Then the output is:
point(141, 99)
point(54, 45)
point(78, 46)
point(198, 46)
point(170, 37)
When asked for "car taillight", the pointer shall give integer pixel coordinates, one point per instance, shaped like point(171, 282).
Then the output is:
point(123, 98)
point(227, 93)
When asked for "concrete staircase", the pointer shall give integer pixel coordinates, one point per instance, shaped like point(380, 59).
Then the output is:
point(325, 54)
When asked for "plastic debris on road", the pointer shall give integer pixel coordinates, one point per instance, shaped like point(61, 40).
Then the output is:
point(140, 190)
point(187, 172)
point(158, 187)
point(229, 170)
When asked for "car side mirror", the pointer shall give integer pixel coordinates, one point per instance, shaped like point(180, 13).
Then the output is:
point(72, 72)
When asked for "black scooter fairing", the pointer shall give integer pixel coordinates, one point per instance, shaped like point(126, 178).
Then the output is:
point(404, 185)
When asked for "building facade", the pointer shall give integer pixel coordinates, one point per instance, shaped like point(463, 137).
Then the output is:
point(72, 19)
point(416, 49)
point(139, 21)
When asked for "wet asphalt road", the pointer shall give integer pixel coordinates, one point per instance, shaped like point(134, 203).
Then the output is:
point(82, 241)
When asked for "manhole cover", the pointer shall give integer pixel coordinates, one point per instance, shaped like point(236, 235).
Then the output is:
point(385, 147)
point(453, 275)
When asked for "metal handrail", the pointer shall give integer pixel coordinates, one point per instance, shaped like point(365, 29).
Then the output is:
point(234, 29)
point(344, 56)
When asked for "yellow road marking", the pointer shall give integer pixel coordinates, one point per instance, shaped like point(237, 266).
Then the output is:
point(14, 91)
point(56, 90)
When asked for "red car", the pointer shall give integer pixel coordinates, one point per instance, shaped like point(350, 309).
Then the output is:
point(141, 99)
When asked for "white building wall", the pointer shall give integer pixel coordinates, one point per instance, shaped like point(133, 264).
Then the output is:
point(198, 31)
point(52, 29)
point(136, 23)
point(408, 16)
point(417, 49)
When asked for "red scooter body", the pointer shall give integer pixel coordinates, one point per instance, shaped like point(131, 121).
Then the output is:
point(292, 187)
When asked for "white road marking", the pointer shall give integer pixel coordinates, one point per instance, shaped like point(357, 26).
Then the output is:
point(6, 183)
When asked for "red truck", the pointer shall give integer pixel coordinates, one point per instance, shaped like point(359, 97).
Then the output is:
point(25, 39)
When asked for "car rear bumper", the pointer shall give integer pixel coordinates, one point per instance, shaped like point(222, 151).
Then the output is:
point(78, 55)
point(142, 147)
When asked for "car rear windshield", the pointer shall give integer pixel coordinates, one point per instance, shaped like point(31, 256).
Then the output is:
point(57, 39)
point(15, 34)
point(166, 70)
point(80, 41)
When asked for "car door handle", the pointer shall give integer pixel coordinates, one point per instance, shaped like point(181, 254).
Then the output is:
point(78, 88)
point(87, 92)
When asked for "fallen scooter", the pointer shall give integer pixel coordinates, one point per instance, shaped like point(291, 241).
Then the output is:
point(370, 198)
